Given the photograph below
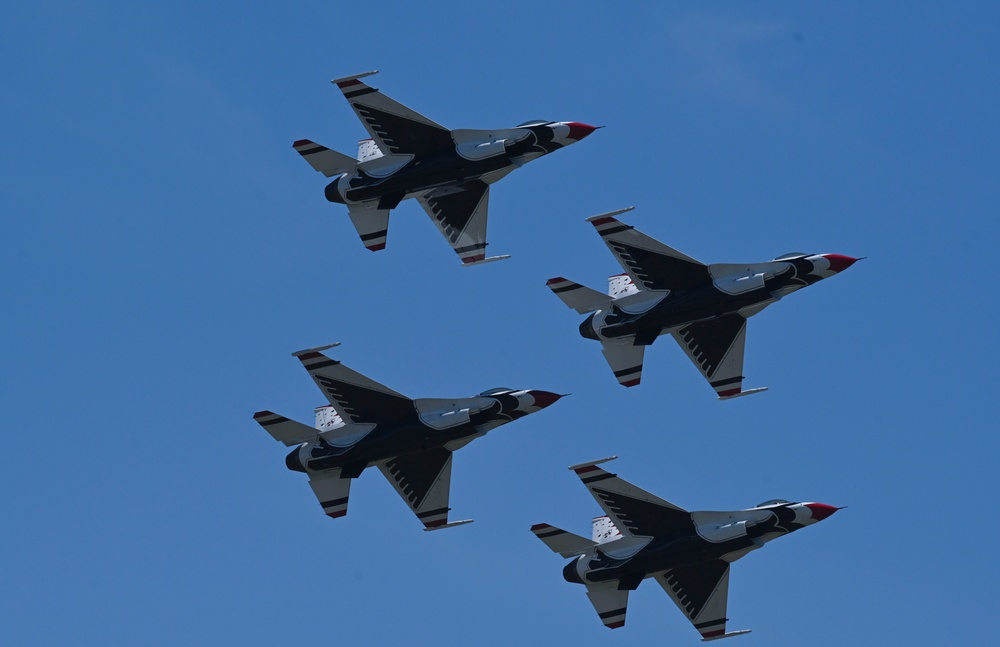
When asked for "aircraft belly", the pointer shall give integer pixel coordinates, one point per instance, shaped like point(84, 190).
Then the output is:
point(687, 551)
point(702, 307)
point(423, 175)
point(408, 438)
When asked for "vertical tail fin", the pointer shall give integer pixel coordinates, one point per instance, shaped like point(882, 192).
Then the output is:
point(605, 530)
point(621, 285)
point(368, 150)
point(327, 418)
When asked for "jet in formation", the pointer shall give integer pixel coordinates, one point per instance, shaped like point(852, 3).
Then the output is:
point(704, 307)
point(687, 553)
point(449, 172)
point(410, 441)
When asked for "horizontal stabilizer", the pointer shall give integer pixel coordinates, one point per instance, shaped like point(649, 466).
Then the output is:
point(371, 223)
point(576, 296)
point(284, 430)
point(326, 161)
point(610, 602)
point(625, 361)
point(559, 541)
point(332, 492)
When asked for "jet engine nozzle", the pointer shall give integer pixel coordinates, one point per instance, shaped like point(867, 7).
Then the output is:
point(571, 572)
point(334, 191)
point(587, 330)
point(294, 462)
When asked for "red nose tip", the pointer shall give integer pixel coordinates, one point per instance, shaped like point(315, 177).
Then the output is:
point(821, 511)
point(544, 398)
point(578, 131)
point(839, 262)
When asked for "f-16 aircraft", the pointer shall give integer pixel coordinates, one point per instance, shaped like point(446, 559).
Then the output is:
point(687, 553)
point(449, 172)
point(410, 441)
point(704, 307)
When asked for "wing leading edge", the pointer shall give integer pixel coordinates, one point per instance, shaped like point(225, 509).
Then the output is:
point(634, 511)
point(649, 263)
point(396, 129)
point(356, 398)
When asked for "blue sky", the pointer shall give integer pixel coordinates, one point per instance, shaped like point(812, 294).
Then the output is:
point(166, 249)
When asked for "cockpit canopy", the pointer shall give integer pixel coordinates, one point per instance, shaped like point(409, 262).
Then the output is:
point(534, 122)
point(497, 391)
point(791, 255)
point(771, 502)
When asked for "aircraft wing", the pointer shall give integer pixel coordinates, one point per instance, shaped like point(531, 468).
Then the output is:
point(650, 264)
point(716, 348)
point(396, 129)
point(424, 482)
point(701, 592)
point(355, 397)
point(332, 492)
point(625, 361)
point(634, 511)
point(610, 603)
point(460, 215)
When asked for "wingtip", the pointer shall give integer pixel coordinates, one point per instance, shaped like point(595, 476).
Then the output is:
point(580, 466)
point(352, 79)
point(316, 350)
point(441, 526)
point(609, 215)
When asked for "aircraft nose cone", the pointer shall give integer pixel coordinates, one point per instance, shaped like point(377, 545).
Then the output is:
point(543, 398)
point(578, 131)
point(821, 511)
point(839, 262)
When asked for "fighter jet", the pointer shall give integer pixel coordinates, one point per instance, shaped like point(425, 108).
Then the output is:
point(449, 172)
point(410, 441)
point(704, 307)
point(687, 553)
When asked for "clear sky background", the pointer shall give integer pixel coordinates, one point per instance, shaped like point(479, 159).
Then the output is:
point(165, 249)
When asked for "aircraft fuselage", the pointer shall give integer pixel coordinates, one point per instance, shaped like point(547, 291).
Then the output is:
point(692, 548)
point(443, 167)
point(681, 307)
point(420, 431)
